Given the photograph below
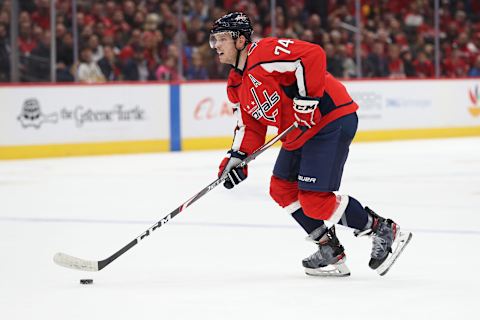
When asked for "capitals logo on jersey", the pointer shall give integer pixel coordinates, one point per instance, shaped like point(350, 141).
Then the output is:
point(261, 109)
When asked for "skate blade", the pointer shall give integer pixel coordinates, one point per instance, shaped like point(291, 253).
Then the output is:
point(402, 240)
point(338, 269)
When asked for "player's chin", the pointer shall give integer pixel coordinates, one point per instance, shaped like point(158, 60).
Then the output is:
point(222, 58)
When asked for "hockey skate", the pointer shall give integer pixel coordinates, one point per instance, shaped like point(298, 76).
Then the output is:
point(329, 260)
point(387, 242)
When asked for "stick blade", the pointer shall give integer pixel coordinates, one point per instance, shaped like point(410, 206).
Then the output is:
point(68, 261)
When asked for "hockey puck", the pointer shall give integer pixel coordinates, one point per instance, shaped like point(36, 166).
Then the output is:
point(86, 281)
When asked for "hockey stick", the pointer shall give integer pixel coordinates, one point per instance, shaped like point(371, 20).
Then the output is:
point(68, 261)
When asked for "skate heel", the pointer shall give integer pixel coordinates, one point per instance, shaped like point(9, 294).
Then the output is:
point(329, 259)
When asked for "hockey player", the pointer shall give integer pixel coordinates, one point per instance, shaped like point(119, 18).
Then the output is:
point(275, 82)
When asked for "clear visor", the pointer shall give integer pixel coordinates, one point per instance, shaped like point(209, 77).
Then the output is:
point(220, 39)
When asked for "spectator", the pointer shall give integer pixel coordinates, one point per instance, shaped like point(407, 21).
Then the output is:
point(41, 16)
point(65, 50)
point(466, 48)
point(257, 32)
point(138, 20)
point(451, 31)
point(149, 40)
point(408, 65)
point(39, 61)
point(474, 44)
point(334, 62)
point(109, 64)
point(136, 68)
point(167, 71)
point(108, 40)
point(64, 9)
point(162, 48)
point(376, 62)
point(129, 12)
point(152, 22)
point(200, 10)
point(88, 71)
point(348, 65)
point(423, 66)
point(475, 70)
point(454, 66)
point(295, 19)
point(60, 31)
point(63, 73)
point(314, 23)
point(307, 35)
point(336, 38)
point(413, 18)
point(4, 18)
point(127, 51)
point(120, 27)
point(110, 7)
point(96, 47)
point(26, 42)
point(87, 32)
point(95, 13)
point(4, 55)
point(99, 29)
point(396, 68)
point(418, 44)
point(169, 32)
point(80, 20)
point(197, 69)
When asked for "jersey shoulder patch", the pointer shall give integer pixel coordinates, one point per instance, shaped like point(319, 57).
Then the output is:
point(254, 81)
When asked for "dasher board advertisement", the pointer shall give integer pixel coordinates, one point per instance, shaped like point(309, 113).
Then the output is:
point(36, 115)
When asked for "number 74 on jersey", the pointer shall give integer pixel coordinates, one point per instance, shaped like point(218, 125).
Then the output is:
point(282, 47)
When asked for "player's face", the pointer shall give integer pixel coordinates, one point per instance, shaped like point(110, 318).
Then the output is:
point(224, 44)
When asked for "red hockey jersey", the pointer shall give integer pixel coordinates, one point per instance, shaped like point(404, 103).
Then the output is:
point(275, 72)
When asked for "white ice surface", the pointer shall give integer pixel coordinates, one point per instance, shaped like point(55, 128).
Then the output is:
point(235, 254)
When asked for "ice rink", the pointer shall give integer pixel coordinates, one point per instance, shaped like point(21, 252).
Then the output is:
point(235, 254)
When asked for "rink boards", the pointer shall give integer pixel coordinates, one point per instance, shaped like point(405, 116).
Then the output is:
point(63, 120)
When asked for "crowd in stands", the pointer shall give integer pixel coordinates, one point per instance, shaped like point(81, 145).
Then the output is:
point(136, 40)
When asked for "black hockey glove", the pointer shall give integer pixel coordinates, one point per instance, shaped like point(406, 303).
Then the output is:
point(228, 167)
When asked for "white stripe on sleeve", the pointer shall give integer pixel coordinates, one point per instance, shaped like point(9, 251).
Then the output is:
point(288, 66)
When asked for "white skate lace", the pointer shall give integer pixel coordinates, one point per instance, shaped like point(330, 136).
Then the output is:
point(381, 241)
point(379, 246)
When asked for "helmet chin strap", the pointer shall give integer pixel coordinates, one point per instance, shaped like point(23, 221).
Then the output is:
point(237, 60)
